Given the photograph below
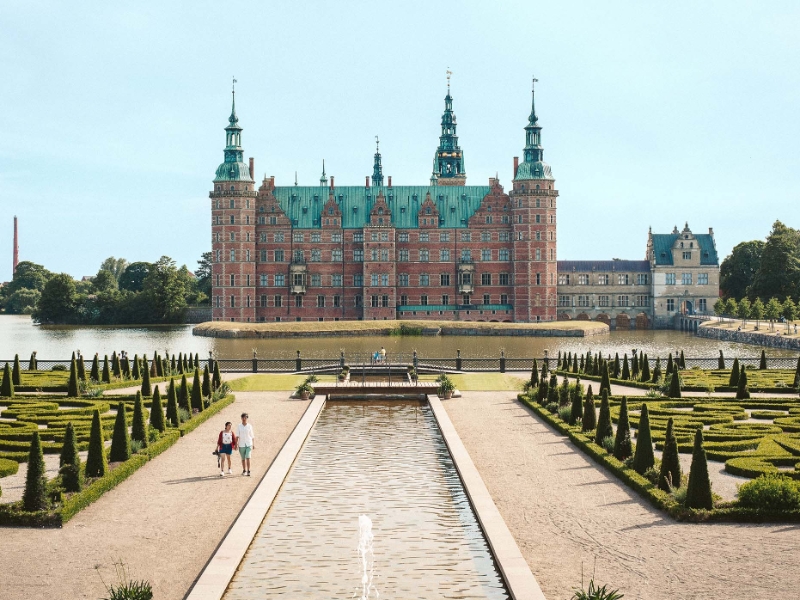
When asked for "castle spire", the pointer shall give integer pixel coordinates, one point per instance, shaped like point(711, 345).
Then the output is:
point(533, 165)
point(377, 167)
point(234, 167)
point(323, 180)
point(448, 162)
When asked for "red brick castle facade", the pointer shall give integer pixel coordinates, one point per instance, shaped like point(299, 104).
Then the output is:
point(440, 251)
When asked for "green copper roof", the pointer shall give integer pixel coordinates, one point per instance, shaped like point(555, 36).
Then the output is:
point(533, 165)
point(456, 204)
point(662, 248)
point(535, 170)
point(234, 167)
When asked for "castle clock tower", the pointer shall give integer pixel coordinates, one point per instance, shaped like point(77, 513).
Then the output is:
point(233, 231)
point(448, 162)
point(534, 230)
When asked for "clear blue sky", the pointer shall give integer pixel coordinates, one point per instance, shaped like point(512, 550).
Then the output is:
point(654, 113)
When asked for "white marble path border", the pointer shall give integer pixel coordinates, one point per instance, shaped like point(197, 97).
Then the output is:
point(521, 583)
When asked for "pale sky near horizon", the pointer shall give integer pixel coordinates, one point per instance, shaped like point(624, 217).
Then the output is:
point(654, 114)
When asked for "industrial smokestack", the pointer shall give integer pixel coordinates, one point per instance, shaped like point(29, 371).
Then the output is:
point(516, 165)
point(16, 247)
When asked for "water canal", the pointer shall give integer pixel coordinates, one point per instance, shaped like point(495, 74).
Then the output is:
point(386, 461)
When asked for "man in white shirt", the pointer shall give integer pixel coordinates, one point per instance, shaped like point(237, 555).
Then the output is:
point(246, 442)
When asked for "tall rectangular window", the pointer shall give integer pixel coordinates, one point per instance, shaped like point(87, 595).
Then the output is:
point(444, 236)
point(670, 278)
point(374, 279)
point(233, 301)
point(583, 279)
point(564, 301)
point(404, 300)
point(263, 300)
point(358, 280)
point(320, 301)
point(336, 255)
point(278, 255)
point(402, 236)
point(466, 255)
point(702, 305)
point(279, 237)
point(358, 237)
point(423, 255)
point(486, 236)
point(298, 301)
point(262, 280)
point(298, 236)
point(686, 278)
point(316, 255)
point(466, 236)
point(336, 280)
point(402, 256)
point(316, 280)
point(316, 237)
point(374, 301)
point(486, 279)
point(503, 298)
point(337, 301)
point(423, 236)
point(702, 279)
point(505, 279)
point(602, 279)
point(385, 301)
point(336, 237)
point(504, 254)
point(670, 305)
point(384, 279)
point(486, 254)
point(603, 301)
point(444, 255)
point(278, 301)
point(358, 301)
point(487, 299)
point(423, 300)
point(563, 279)
point(445, 299)
point(263, 256)
point(233, 279)
point(233, 255)
point(622, 300)
point(424, 279)
point(641, 279)
point(280, 280)
point(622, 279)
point(358, 255)
point(444, 280)
point(583, 301)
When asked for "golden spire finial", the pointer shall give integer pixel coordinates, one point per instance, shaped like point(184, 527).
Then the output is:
point(449, 74)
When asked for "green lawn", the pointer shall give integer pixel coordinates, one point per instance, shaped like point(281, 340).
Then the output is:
point(476, 382)
point(483, 382)
point(272, 382)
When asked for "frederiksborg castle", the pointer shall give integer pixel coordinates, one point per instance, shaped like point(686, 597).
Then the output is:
point(445, 250)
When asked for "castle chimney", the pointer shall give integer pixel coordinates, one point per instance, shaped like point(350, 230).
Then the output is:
point(516, 165)
point(16, 247)
point(332, 186)
point(710, 230)
point(366, 183)
point(390, 181)
point(252, 169)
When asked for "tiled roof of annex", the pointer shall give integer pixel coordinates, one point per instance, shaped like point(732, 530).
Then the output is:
point(601, 266)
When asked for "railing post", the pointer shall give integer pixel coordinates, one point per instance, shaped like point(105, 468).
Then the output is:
point(255, 362)
point(458, 360)
point(502, 361)
point(298, 364)
point(415, 362)
point(341, 360)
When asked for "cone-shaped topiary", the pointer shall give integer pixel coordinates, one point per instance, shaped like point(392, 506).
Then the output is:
point(147, 389)
point(216, 381)
point(116, 367)
point(196, 360)
point(153, 371)
point(589, 363)
point(675, 384)
point(125, 363)
point(120, 440)
point(626, 372)
point(657, 371)
point(139, 425)
point(159, 366)
point(541, 393)
point(7, 387)
point(81, 369)
point(670, 475)
point(742, 393)
point(605, 382)
point(96, 465)
point(576, 393)
point(106, 375)
point(94, 374)
point(35, 496)
point(552, 389)
point(604, 428)
point(16, 372)
point(534, 374)
point(197, 392)
point(733, 380)
point(563, 392)
point(180, 363)
point(73, 390)
point(634, 367)
point(70, 462)
point(136, 373)
point(575, 363)
point(173, 367)
point(682, 361)
point(589, 419)
point(645, 369)
point(33, 364)
point(762, 364)
point(157, 412)
point(558, 361)
point(172, 405)
point(582, 364)
point(622, 442)
point(183, 394)
point(698, 490)
point(616, 369)
point(643, 458)
point(206, 382)
point(721, 361)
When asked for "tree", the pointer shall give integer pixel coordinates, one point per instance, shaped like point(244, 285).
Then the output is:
point(7, 387)
point(675, 384)
point(762, 364)
point(172, 405)
point(120, 440)
point(657, 370)
point(616, 366)
point(626, 372)
point(738, 270)
point(16, 371)
point(733, 379)
point(22, 302)
point(57, 304)
point(670, 365)
point(744, 310)
point(95, 372)
point(216, 380)
point(28, 276)
point(646, 369)
point(721, 361)
point(772, 311)
point(116, 367)
point(589, 419)
point(634, 367)
point(643, 458)
point(719, 308)
point(70, 462)
point(757, 311)
point(682, 361)
point(183, 394)
point(33, 365)
point(563, 392)
point(157, 412)
point(106, 376)
point(731, 307)
point(34, 498)
point(789, 311)
point(605, 383)
point(622, 442)
point(778, 273)
point(698, 491)
point(73, 389)
point(604, 427)
point(576, 393)
point(147, 389)
point(115, 266)
point(207, 382)
point(104, 281)
point(670, 475)
point(165, 292)
point(203, 273)
point(136, 373)
point(742, 393)
point(132, 278)
point(96, 464)
point(139, 425)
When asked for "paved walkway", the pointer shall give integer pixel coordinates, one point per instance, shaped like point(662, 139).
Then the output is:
point(164, 522)
point(570, 516)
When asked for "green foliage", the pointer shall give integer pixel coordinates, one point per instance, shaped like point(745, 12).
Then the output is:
point(136, 372)
point(670, 364)
point(616, 366)
point(645, 369)
point(737, 271)
point(7, 387)
point(605, 383)
point(721, 362)
point(73, 389)
point(643, 458)
point(552, 389)
point(670, 475)
point(626, 373)
point(674, 384)
point(183, 394)
point(116, 367)
point(126, 588)
point(742, 392)
point(770, 492)
point(698, 491)
point(446, 385)
point(682, 361)
point(576, 398)
point(197, 392)
point(81, 369)
point(96, 464)
point(564, 413)
point(604, 428)
point(106, 376)
point(534, 374)
point(657, 370)
point(563, 392)
point(132, 278)
point(733, 380)
point(147, 389)
point(173, 417)
point(744, 309)
point(70, 462)
point(57, 303)
point(762, 364)
point(778, 273)
point(595, 592)
point(216, 381)
point(139, 425)
point(35, 496)
point(589, 418)
point(120, 440)
point(165, 292)
point(94, 375)
point(157, 412)
point(16, 372)
point(206, 382)
point(622, 441)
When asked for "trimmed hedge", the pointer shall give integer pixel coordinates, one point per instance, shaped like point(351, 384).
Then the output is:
point(8, 467)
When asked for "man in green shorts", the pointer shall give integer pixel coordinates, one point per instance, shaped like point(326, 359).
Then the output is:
point(247, 442)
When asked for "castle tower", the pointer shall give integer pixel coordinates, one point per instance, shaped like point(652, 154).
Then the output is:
point(534, 229)
point(448, 162)
point(233, 232)
point(377, 168)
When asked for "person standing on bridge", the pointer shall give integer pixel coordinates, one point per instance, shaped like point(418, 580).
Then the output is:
point(246, 440)
point(383, 354)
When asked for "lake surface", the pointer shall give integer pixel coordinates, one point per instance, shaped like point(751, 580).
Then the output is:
point(389, 462)
point(19, 335)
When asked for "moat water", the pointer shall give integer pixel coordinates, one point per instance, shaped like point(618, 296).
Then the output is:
point(19, 335)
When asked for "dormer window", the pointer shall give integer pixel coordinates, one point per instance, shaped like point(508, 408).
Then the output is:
point(427, 210)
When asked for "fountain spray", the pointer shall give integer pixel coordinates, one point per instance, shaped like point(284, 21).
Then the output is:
point(366, 556)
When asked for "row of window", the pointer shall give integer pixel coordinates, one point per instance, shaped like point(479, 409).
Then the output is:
point(702, 305)
point(381, 255)
point(376, 279)
point(376, 301)
point(602, 279)
point(603, 301)
point(686, 279)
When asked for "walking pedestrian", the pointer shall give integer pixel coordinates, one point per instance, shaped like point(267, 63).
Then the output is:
point(226, 444)
point(383, 354)
point(246, 442)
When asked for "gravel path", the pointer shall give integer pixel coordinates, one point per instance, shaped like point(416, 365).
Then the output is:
point(164, 522)
point(569, 515)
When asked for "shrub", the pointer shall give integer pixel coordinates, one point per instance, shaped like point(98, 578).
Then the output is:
point(116, 367)
point(762, 364)
point(645, 369)
point(181, 370)
point(216, 381)
point(657, 370)
point(120, 440)
point(81, 369)
point(670, 364)
point(563, 392)
point(16, 372)
point(721, 361)
point(626, 373)
point(589, 419)
point(622, 440)
point(126, 588)
point(94, 374)
point(147, 389)
point(698, 491)
point(35, 496)
point(643, 458)
point(58, 368)
point(206, 382)
point(770, 492)
point(197, 392)
point(32, 363)
point(605, 383)
point(183, 394)
point(70, 461)
point(742, 393)
point(595, 592)
point(682, 361)
point(534, 374)
point(184, 415)
point(565, 413)
point(607, 444)
point(172, 405)
point(72, 387)
point(604, 428)
point(139, 425)
point(159, 366)
point(7, 387)
point(136, 446)
point(675, 384)
point(106, 375)
point(576, 393)
point(157, 412)
point(136, 373)
point(733, 380)
point(96, 465)
point(670, 475)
